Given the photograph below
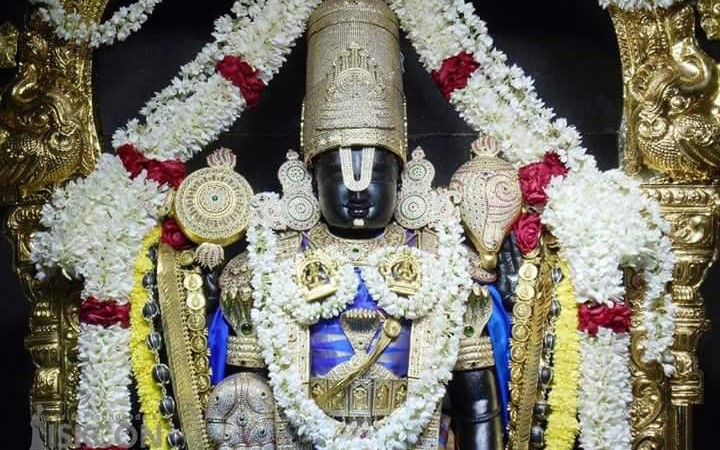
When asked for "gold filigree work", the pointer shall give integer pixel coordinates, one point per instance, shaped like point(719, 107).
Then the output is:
point(354, 94)
point(188, 382)
point(488, 191)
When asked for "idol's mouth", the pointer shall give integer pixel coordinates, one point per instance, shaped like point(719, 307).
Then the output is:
point(358, 212)
point(358, 208)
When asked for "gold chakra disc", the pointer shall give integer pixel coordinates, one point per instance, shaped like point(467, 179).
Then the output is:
point(213, 205)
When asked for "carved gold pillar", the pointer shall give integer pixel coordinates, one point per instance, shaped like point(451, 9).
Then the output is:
point(47, 136)
point(671, 140)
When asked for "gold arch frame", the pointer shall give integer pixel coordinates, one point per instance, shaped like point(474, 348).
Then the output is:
point(665, 72)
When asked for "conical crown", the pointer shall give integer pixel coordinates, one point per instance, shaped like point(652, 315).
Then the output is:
point(354, 94)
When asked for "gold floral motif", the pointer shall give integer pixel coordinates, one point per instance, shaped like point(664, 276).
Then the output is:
point(357, 250)
point(671, 91)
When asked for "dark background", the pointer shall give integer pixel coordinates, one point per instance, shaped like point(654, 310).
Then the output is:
point(568, 46)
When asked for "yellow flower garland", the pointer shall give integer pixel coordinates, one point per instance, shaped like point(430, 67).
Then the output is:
point(563, 426)
point(143, 359)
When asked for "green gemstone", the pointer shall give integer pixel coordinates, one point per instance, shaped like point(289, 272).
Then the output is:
point(215, 198)
point(469, 331)
point(246, 329)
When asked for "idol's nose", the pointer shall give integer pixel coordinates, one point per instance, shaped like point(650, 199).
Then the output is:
point(358, 204)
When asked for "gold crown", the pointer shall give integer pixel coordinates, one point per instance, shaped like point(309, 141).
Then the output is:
point(354, 94)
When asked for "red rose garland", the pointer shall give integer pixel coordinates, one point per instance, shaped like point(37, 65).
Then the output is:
point(171, 172)
point(535, 178)
point(244, 76)
point(616, 318)
point(455, 73)
point(104, 313)
point(173, 236)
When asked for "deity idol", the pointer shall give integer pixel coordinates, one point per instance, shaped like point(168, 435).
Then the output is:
point(361, 315)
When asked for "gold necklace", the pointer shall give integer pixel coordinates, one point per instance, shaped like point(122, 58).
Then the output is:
point(355, 250)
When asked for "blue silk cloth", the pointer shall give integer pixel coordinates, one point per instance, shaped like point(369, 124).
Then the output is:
point(329, 346)
point(499, 327)
point(218, 333)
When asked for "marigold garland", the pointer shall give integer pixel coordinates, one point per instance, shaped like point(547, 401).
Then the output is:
point(563, 425)
point(143, 359)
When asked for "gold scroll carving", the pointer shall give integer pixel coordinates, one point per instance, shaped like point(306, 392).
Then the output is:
point(47, 136)
point(671, 139)
point(47, 125)
point(710, 18)
point(54, 327)
point(671, 95)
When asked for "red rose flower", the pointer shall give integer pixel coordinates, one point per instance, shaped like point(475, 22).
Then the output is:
point(171, 172)
point(534, 178)
point(132, 159)
point(616, 318)
point(244, 76)
point(173, 236)
point(455, 73)
point(554, 164)
point(104, 313)
point(527, 231)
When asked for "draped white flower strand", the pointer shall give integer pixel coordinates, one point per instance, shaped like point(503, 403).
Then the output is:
point(70, 26)
point(605, 394)
point(104, 408)
point(404, 426)
point(200, 104)
point(95, 227)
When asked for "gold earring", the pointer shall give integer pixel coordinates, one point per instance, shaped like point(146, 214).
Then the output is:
point(300, 207)
point(414, 209)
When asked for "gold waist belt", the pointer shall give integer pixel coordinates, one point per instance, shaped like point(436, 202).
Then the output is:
point(362, 398)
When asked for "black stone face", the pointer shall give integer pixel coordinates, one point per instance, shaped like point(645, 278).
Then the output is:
point(341, 208)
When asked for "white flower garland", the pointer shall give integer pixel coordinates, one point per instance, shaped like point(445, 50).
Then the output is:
point(104, 407)
point(404, 426)
point(69, 26)
point(605, 394)
point(95, 227)
point(200, 104)
point(632, 233)
point(296, 306)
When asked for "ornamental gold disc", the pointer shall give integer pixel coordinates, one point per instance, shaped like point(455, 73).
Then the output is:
point(213, 205)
